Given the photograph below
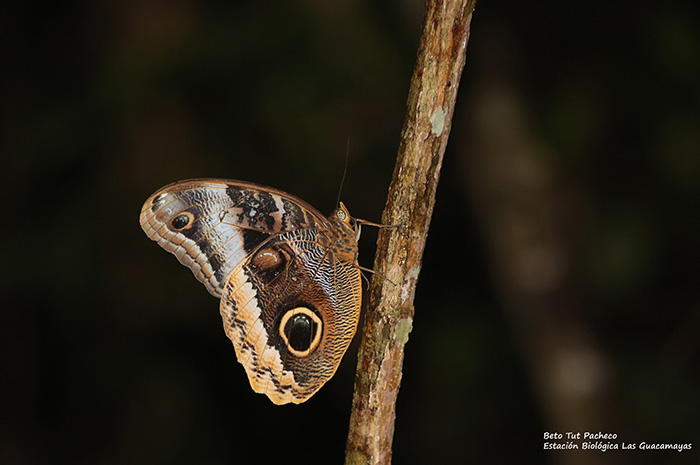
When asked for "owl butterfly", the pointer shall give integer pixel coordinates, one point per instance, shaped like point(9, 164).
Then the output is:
point(287, 276)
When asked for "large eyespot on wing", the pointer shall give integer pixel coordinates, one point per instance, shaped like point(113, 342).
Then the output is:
point(212, 225)
point(291, 312)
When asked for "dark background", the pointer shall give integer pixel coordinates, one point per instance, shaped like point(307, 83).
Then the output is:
point(112, 353)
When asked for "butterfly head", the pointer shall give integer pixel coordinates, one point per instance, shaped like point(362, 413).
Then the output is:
point(341, 216)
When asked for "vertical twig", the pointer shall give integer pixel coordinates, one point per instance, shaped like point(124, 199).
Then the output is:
point(389, 316)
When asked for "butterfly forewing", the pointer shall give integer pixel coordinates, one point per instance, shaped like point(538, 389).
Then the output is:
point(212, 225)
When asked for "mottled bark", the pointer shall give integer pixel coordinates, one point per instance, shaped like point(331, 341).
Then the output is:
point(389, 314)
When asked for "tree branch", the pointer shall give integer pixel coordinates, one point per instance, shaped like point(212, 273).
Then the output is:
point(389, 314)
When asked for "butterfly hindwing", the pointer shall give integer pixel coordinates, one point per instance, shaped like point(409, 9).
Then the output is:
point(289, 318)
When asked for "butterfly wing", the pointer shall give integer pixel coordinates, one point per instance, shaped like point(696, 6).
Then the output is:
point(292, 317)
point(287, 277)
point(211, 225)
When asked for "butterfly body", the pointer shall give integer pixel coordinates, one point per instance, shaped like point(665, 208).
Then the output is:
point(287, 276)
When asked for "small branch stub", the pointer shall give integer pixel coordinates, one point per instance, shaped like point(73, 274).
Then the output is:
point(389, 315)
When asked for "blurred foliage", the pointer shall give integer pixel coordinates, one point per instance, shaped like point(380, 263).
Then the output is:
point(112, 353)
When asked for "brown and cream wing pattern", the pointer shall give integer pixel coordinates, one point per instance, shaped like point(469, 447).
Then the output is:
point(287, 276)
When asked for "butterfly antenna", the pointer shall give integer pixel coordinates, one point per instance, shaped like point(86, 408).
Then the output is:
point(345, 172)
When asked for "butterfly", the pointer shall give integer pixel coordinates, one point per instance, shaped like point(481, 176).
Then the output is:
point(287, 277)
